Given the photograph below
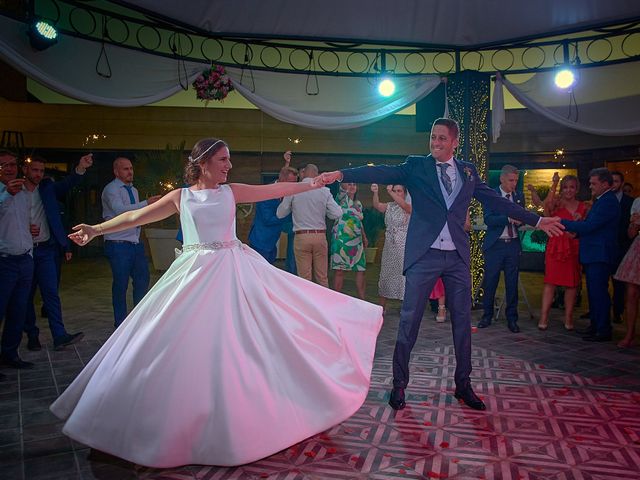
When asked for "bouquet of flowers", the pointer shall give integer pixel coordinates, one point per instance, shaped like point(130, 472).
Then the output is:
point(213, 84)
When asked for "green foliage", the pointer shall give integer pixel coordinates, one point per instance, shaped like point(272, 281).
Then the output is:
point(159, 171)
point(543, 191)
point(373, 224)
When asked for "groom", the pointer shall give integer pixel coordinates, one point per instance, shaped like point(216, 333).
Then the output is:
point(441, 188)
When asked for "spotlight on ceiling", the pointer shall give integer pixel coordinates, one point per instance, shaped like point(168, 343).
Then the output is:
point(565, 78)
point(386, 87)
point(42, 34)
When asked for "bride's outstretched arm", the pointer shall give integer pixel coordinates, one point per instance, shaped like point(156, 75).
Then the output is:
point(163, 208)
point(244, 193)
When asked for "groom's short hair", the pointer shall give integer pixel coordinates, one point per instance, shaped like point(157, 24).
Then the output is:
point(452, 126)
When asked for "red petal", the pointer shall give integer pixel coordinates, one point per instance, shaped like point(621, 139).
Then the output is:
point(444, 444)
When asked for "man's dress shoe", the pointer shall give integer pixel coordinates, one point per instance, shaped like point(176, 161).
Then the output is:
point(483, 324)
point(396, 400)
point(16, 362)
point(597, 338)
point(585, 331)
point(470, 399)
point(514, 327)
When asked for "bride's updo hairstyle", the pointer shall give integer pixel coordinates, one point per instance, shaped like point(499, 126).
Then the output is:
point(202, 151)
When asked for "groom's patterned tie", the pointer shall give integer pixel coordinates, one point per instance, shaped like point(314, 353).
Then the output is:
point(446, 179)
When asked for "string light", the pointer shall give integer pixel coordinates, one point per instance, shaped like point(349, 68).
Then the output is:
point(295, 140)
point(93, 138)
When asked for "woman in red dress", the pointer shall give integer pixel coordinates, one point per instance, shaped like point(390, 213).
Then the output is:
point(562, 267)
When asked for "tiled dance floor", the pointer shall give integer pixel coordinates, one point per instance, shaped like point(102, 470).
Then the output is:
point(557, 408)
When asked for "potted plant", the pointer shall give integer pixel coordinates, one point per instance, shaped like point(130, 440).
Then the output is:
point(158, 172)
point(373, 224)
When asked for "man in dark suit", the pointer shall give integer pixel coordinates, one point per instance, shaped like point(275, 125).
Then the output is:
point(598, 235)
point(49, 241)
point(501, 250)
point(624, 242)
point(441, 188)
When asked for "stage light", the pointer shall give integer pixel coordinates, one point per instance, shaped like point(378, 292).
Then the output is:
point(565, 78)
point(386, 87)
point(42, 34)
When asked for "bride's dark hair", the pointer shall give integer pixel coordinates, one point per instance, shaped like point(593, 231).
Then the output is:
point(201, 152)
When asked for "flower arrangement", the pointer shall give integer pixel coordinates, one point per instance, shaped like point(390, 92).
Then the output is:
point(213, 84)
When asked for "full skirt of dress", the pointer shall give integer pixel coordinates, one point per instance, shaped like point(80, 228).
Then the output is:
point(225, 361)
point(629, 268)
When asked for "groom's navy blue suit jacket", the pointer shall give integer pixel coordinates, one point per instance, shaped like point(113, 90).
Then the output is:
point(429, 210)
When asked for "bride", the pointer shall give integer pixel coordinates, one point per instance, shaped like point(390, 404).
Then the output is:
point(227, 359)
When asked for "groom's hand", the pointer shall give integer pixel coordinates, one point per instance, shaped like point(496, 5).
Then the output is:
point(551, 226)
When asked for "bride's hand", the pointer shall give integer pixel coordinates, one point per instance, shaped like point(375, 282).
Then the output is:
point(318, 181)
point(83, 234)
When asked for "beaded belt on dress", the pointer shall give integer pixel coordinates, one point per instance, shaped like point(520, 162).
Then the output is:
point(211, 246)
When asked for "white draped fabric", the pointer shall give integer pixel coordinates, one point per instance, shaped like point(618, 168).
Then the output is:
point(71, 68)
point(598, 106)
point(341, 102)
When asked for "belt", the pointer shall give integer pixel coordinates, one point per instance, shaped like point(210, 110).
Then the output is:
point(300, 232)
point(8, 255)
point(122, 241)
point(41, 244)
point(507, 240)
point(194, 247)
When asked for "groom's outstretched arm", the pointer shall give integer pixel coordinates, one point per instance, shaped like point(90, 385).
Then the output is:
point(385, 174)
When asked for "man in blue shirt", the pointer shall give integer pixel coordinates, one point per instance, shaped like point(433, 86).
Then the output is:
point(49, 241)
point(16, 262)
point(267, 227)
point(123, 249)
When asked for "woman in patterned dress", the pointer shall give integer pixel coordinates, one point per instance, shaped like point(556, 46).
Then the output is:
point(349, 240)
point(629, 272)
point(396, 219)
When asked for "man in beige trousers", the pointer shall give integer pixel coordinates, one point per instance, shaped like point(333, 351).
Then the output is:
point(309, 210)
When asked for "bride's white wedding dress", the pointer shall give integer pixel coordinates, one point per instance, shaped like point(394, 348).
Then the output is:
point(226, 360)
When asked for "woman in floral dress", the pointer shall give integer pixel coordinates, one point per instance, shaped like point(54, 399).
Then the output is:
point(396, 219)
point(349, 240)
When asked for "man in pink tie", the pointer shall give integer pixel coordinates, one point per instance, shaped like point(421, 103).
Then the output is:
point(501, 250)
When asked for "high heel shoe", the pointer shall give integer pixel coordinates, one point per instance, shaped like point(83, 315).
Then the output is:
point(568, 328)
point(442, 314)
point(625, 343)
point(543, 326)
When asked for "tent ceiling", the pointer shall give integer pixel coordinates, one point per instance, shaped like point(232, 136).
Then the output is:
point(453, 23)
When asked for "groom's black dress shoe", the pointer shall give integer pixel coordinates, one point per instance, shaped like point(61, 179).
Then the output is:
point(396, 400)
point(513, 326)
point(470, 399)
point(483, 324)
